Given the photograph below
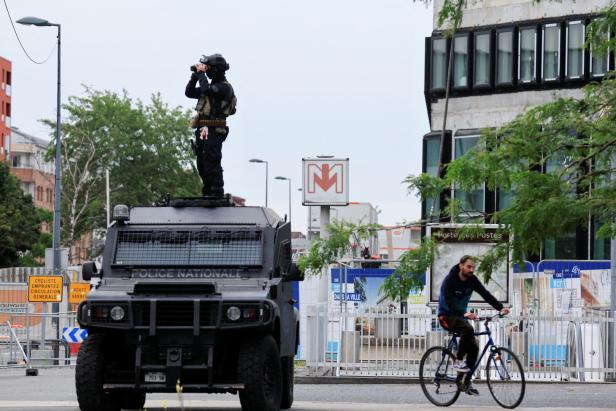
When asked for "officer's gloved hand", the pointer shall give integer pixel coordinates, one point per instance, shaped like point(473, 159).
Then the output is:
point(194, 76)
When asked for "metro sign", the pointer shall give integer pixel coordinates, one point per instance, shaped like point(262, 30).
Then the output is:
point(326, 181)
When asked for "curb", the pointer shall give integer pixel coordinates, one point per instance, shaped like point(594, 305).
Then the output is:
point(303, 379)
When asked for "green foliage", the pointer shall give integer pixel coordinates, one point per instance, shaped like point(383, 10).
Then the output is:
point(324, 251)
point(145, 147)
point(555, 158)
point(19, 224)
point(408, 275)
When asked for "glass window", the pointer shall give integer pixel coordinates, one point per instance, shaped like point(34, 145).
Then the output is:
point(505, 199)
point(528, 54)
point(599, 62)
point(439, 63)
point(551, 52)
point(472, 201)
point(575, 49)
point(433, 152)
point(601, 246)
point(561, 248)
point(460, 61)
point(482, 59)
point(504, 57)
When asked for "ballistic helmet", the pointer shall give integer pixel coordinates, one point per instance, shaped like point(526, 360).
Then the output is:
point(216, 62)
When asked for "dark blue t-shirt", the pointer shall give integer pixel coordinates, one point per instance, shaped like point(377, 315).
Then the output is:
point(455, 294)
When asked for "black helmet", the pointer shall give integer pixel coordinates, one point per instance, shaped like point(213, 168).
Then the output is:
point(216, 61)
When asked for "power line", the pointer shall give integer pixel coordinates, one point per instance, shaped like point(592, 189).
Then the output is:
point(21, 44)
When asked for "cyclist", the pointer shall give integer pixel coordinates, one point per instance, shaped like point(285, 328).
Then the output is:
point(453, 313)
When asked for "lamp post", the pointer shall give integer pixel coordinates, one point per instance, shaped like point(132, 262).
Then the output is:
point(35, 21)
point(289, 180)
point(259, 161)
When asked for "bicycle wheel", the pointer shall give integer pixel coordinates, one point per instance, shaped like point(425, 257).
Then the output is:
point(505, 377)
point(437, 377)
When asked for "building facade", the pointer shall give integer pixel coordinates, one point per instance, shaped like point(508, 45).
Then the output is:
point(28, 164)
point(508, 56)
point(6, 82)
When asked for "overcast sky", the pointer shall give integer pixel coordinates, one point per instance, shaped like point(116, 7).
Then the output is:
point(341, 77)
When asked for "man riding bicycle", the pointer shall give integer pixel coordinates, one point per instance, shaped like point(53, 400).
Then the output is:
point(453, 301)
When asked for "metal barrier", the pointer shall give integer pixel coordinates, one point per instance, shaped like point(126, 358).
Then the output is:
point(29, 332)
point(379, 342)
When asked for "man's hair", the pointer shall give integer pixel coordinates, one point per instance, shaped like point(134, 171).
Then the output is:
point(465, 258)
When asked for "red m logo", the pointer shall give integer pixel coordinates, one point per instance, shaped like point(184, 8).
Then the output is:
point(326, 176)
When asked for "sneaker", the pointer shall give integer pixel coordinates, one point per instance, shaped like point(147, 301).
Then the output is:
point(471, 390)
point(460, 366)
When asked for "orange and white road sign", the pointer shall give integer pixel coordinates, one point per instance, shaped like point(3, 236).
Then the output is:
point(326, 181)
point(77, 292)
point(45, 288)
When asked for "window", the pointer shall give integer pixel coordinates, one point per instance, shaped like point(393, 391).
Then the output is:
point(575, 49)
point(482, 59)
point(433, 152)
point(16, 161)
point(561, 248)
point(551, 52)
point(460, 61)
point(527, 50)
point(601, 245)
point(599, 63)
point(471, 202)
point(439, 63)
point(504, 57)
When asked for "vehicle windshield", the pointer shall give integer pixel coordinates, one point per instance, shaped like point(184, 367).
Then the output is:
point(199, 248)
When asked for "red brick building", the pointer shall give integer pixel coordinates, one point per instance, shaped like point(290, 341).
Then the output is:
point(5, 107)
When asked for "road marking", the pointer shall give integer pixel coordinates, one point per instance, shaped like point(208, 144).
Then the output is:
point(219, 405)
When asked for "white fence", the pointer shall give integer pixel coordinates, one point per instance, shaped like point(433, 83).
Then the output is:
point(376, 342)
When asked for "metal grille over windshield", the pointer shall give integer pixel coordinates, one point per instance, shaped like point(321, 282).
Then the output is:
point(189, 248)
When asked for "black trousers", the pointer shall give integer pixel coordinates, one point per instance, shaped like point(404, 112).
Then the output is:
point(468, 342)
point(209, 157)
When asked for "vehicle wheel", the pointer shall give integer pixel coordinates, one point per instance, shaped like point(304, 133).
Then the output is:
point(258, 367)
point(288, 374)
point(505, 377)
point(438, 379)
point(132, 400)
point(89, 375)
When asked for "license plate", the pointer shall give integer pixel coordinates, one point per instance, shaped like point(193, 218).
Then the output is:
point(155, 377)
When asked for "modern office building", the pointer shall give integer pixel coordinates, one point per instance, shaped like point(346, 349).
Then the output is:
point(508, 56)
point(5, 107)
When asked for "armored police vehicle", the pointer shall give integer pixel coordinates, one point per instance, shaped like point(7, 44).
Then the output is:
point(193, 296)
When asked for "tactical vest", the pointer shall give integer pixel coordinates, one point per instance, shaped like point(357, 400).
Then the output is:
point(208, 110)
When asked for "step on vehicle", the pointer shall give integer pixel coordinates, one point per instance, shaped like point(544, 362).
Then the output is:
point(194, 295)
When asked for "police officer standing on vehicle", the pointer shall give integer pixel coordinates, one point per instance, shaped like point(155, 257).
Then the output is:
point(216, 101)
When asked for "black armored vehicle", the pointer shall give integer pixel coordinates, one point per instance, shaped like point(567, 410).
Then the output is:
point(193, 296)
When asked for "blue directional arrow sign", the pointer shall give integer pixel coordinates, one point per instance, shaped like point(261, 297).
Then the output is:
point(74, 334)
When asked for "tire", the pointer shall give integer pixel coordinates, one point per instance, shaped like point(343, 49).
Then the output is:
point(288, 375)
point(258, 367)
point(131, 400)
point(441, 392)
point(505, 377)
point(89, 377)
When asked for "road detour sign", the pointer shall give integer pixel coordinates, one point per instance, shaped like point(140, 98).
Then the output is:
point(77, 292)
point(45, 288)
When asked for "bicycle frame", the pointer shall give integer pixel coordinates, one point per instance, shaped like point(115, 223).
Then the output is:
point(452, 343)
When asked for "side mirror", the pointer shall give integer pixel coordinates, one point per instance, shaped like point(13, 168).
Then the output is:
point(88, 270)
point(294, 274)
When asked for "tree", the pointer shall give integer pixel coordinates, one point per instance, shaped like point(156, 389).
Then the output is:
point(558, 159)
point(145, 147)
point(19, 224)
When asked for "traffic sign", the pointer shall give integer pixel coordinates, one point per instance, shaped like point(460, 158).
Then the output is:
point(326, 181)
point(77, 292)
point(45, 288)
point(74, 334)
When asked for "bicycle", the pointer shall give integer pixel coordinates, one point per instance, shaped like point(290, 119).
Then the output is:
point(504, 372)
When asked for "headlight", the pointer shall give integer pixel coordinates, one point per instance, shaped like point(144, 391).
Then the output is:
point(233, 313)
point(117, 313)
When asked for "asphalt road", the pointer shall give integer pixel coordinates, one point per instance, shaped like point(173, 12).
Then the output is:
point(55, 389)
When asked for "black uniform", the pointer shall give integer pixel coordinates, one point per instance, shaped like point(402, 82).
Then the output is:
point(218, 94)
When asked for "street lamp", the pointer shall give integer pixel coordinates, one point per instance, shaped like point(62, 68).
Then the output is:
point(259, 161)
point(289, 180)
point(35, 21)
